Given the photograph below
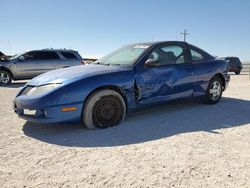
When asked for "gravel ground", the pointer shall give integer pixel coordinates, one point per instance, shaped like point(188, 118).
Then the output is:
point(182, 144)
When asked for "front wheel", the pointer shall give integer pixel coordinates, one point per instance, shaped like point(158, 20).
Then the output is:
point(214, 91)
point(5, 78)
point(104, 108)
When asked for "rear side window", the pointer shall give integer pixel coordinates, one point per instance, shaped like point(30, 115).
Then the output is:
point(196, 56)
point(68, 55)
point(36, 55)
point(48, 55)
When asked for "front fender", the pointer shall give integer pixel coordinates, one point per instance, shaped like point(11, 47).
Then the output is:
point(79, 91)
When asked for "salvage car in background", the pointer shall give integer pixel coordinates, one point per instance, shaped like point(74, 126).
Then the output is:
point(100, 94)
point(34, 63)
point(234, 63)
point(89, 60)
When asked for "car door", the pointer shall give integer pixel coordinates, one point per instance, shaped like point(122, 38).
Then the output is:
point(28, 65)
point(50, 60)
point(170, 78)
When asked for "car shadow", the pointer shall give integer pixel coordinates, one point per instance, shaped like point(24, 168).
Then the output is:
point(149, 124)
point(14, 85)
point(241, 74)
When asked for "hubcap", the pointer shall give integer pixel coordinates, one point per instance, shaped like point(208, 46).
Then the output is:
point(107, 112)
point(215, 90)
point(4, 78)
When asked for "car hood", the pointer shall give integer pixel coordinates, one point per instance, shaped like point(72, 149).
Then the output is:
point(71, 74)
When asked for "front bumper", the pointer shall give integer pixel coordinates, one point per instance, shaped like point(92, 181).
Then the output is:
point(47, 114)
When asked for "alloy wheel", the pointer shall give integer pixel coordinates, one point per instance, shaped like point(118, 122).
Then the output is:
point(215, 90)
point(4, 78)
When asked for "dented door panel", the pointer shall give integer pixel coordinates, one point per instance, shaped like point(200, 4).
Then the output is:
point(164, 83)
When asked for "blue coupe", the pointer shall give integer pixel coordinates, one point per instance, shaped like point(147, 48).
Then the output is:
point(100, 94)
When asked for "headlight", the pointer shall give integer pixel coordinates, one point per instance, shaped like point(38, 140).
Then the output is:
point(33, 91)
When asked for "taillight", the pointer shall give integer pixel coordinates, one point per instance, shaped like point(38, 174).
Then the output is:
point(83, 62)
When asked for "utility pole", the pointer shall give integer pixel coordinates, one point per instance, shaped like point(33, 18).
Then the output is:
point(185, 34)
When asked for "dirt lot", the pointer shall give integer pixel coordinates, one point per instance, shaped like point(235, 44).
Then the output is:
point(182, 144)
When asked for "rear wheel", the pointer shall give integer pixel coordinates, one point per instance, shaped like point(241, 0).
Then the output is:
point(5, 78)
point(104, 108)
point(214, 91)
point(238, 70)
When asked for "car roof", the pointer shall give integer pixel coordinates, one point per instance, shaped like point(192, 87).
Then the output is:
point(158, 42)
point(56, 50)
point(231, 57)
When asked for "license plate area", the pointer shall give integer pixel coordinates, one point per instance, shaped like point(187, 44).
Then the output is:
point(29, 112)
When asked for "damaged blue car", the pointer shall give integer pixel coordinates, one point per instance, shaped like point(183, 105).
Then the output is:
point(101, 94)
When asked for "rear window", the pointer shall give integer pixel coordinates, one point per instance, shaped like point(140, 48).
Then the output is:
point(68, 55)
point(237, 60)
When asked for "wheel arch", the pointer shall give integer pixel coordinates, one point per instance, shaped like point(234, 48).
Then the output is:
point(219, 75)
point(111, 87)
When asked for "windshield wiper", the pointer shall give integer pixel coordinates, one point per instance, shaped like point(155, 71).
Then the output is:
point(107, 64)
point(115, 64)
point(98, 63)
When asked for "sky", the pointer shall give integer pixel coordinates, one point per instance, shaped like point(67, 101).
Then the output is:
point(97, 27)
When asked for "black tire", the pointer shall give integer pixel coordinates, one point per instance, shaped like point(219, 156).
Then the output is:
point(238, 70)
point(5, 78)
point(104, 108)
point(214, 91)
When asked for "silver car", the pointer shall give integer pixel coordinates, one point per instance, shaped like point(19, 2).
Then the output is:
point(34, 63)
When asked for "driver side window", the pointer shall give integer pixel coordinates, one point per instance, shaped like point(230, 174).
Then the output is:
point(167, 55)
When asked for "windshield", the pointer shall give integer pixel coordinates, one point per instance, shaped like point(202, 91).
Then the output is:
point(124, 56)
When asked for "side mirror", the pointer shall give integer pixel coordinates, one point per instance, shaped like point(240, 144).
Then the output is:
point(151, 63)
point(21, 58)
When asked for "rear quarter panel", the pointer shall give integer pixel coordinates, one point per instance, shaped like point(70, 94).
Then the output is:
point(204, 71)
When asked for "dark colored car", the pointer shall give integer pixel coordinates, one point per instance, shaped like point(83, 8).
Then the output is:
point(33, 63)
point(138, 75)
point(234, 63)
